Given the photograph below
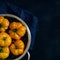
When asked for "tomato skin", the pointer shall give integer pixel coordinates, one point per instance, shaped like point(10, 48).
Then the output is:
point(4, 53)
point(17, 48)
point(5, 39)
point(4, 23)
point(17, 30)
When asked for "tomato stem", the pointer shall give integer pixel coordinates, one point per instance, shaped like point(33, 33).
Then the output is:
point(4, 38)
point(1, 26)
point(14, 30)
point(1, 49)
point(16, 47)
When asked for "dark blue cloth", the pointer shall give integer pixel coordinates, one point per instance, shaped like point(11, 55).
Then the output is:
point(6, 7)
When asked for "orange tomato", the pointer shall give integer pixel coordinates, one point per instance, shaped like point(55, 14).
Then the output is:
point(17, 30)
point(17, 48)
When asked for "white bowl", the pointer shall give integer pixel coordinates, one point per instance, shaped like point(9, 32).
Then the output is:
point(28, 32)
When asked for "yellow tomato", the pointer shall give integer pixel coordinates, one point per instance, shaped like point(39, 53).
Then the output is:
point(1, 19)
point(17, 48)
point(4, 52)
point(5, 39)
point(4, 23)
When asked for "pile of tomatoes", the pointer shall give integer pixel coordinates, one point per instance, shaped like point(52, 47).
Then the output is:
point(16, 31)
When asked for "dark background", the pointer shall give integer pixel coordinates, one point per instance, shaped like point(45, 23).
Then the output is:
point(34, 8)
point(47, 43)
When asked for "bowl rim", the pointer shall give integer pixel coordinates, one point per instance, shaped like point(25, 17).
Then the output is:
point(28, 31)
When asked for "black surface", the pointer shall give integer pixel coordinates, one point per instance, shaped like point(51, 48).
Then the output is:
point(47, 44)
